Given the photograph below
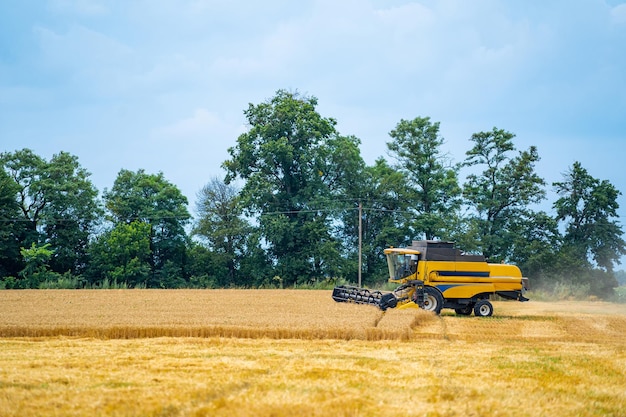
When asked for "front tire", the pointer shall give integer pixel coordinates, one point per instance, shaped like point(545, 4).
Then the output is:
point(483, 308)
point(433, 300)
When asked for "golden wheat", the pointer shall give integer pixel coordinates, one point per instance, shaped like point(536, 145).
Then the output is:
point(186, 313)
point(291, 353)
point(263, 377)
point(284, 314)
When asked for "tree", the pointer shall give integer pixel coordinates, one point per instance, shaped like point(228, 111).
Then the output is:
point(535, 244)
point(292, 172)
point(588, 207)
point(222, 227)
point(206, 269)
point(151, 199)
point(71, 212)
point(256, 266)
point(434, 184)
point(26, 170)
point(122, 255)
point(384, 197)
point(36, 270)
point(57, 205)
point(10, 227)
point(503, 192)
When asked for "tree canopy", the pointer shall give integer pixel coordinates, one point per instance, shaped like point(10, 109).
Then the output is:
point(222, 227)
point(293, 163)
point(503, 192)
point(56, 205)
point(152, 200)
point(435, 192)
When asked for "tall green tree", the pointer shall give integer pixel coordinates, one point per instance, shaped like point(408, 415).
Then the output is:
point(291, 174)
point(588, 208)
point(503, 192)
point(256, 265)
point(27, 171)
point(71, 213)
point(10, 227)
point(385, 219)
point(57, 203)
point(416, 146)
point(535, 243)
point(206, 268)
point(151, 199)
point(122, 255)
point(220, 224)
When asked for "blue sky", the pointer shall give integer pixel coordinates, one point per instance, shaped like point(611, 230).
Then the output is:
point(162, 84)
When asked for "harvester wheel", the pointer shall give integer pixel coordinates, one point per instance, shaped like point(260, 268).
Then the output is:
point(433, 300)
point(483, 308)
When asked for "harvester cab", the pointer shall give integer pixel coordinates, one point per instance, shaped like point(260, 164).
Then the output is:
point(434, 275)
point(402, 264)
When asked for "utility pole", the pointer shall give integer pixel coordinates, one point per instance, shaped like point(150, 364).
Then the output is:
point(360, 238)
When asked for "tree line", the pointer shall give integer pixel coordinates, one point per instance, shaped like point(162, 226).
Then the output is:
point(289, 209)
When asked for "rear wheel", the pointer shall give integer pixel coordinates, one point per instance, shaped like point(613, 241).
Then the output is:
point(433, 300)
point(483, 308)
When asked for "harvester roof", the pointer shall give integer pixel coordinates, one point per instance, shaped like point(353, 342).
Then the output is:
point(404, 251)
point(435, 250)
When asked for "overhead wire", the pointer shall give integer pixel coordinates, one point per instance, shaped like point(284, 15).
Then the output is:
point(182, 217)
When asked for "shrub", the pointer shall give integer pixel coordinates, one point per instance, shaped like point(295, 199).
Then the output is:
point(620, 294)
point(64, 282)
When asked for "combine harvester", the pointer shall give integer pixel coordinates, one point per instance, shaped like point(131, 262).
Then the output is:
point(434, 275)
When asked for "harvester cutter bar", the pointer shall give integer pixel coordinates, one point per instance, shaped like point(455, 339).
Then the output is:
point(349, 294)
point(346, 293)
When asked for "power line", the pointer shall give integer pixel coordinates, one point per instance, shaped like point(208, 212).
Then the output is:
point(359, 205)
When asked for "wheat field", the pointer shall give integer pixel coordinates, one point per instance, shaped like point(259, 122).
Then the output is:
point(277, 314)
point(298, 353)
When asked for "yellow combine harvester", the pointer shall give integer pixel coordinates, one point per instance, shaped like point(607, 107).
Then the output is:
point(435, 275)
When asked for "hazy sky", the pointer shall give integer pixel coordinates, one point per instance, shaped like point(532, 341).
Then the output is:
point(162, 84)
